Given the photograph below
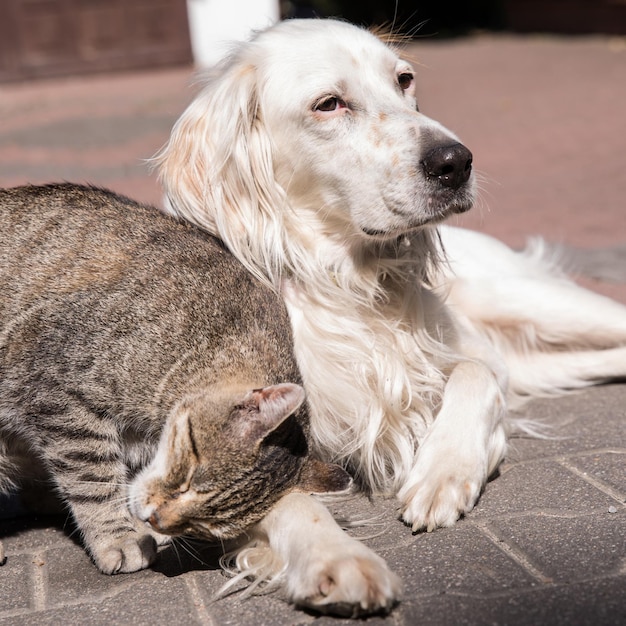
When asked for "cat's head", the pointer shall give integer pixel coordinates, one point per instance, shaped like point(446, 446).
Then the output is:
point(224, 459)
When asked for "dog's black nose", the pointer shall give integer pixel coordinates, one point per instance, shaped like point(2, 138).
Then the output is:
point(451, 165)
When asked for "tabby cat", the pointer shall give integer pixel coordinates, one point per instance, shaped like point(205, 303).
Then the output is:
point(144, 374)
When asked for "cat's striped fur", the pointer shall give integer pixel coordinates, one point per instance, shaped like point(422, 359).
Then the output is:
point(116, 320)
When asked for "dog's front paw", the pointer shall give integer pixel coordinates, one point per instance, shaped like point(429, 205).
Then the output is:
point(348, 582)
point(436, 502)
point(447, 479)
point(130, 553)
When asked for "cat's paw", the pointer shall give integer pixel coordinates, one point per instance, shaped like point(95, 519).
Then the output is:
point(131, 553)
point(347, 583)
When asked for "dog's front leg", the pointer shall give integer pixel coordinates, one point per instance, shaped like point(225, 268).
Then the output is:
point(325, 569)
point(464, 445)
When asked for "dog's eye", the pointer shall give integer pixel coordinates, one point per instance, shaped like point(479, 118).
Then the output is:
point(331, 103)
point(404, 80)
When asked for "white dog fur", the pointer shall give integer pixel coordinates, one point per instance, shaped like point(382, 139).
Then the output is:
point(305, 153)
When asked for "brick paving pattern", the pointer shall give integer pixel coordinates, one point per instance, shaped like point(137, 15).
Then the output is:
point(546, 544)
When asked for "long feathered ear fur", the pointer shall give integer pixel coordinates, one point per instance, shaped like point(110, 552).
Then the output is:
point(217, 169)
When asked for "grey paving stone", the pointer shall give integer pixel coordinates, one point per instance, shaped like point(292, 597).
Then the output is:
point(460, 559)
point(597, 603)
point(26, 534)
point(590, 420)
point(71, 577)
point(570, 549)
point(188, 556)
point(609, 468)
point(374, 620)
point(541, 485)
point(376, 521)
point(16, 584)
point(146, 603)
point(235, 610)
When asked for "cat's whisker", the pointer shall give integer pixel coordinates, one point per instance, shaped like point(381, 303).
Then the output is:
point(74, 531)
point(174, 545)
point(187, 545)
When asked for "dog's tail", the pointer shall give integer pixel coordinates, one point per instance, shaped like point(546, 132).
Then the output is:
point(606, 264)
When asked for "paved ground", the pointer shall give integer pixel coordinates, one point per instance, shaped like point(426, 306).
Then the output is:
point(545, 119)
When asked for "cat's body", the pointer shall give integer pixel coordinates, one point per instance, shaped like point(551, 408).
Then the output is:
point(116, 321)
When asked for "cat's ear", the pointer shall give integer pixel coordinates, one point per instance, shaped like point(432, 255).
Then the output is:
point(320, 477)
point(176, 451)
point(262, 410)
point(179, 437)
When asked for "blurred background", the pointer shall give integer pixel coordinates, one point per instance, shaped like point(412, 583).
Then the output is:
point(89, 90)
point(41, 38)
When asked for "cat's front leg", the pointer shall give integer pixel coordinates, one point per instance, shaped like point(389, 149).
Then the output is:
point(116, 542)
point(91, 477)
point(324, 568)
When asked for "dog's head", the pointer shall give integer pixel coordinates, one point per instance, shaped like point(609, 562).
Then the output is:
point(307, 136)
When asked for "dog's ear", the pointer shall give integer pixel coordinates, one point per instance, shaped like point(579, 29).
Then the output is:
point(217, 168)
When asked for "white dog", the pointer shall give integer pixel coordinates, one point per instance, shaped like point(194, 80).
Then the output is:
point(305, 153)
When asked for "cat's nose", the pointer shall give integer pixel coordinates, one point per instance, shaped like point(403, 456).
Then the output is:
point(155, 521)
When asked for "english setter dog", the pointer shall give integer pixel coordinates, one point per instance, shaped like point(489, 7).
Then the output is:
point(306, 154)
